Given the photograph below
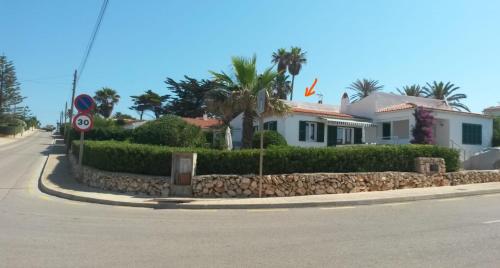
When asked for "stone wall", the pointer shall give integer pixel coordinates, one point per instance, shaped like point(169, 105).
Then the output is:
point(121, 182)
point(329, 183)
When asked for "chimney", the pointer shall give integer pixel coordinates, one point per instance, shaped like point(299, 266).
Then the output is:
point(344, 102)
point(320, 98)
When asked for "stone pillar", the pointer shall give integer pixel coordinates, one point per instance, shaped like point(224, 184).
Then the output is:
point(182, 171)
point(430, 165)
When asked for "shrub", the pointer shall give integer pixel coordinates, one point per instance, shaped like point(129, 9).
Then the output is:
point(103, 134)
point(270, 138)
point(169, 130)
point(156, 160)
point(11, 126)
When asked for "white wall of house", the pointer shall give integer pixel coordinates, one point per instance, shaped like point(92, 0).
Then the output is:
point(291, 132)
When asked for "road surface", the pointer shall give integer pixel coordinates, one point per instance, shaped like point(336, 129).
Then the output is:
point(37, 230)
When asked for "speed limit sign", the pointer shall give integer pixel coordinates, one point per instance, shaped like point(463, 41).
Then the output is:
point(83, 122)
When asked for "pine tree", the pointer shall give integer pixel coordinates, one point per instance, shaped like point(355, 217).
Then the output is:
point(423, 129)
point(10, 91)
point(189, 96)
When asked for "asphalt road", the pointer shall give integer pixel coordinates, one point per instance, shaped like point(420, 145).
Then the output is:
point(37, 230)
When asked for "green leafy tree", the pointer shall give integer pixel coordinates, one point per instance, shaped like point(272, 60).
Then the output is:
point(106, 99)
point(413, 90)
point(446, 92)
point(241, 88)
point(189, 96)
point(363, 88)
point(149, 101)
point(119, 115)
point(297, 58)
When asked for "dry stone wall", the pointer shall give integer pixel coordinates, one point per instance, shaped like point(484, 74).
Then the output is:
point(330, 183)
point(121, 182)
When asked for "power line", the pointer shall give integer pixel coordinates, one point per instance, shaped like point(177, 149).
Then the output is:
point(92, 39)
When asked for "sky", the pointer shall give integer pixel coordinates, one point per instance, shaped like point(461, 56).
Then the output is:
point(141, 43)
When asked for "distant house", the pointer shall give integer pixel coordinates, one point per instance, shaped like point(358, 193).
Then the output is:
point(493, 110)
point(205, 123)
point(381, 118)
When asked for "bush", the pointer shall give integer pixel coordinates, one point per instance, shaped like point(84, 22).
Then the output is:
point(156, 160)
point(270, 138)
point(169, 130)
point(11, 126)
point(103, 134)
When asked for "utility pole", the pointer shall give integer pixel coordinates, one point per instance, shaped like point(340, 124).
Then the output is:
point(68, 142)
point(65, 114)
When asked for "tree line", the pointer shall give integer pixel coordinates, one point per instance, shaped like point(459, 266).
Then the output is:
point(11, 100)
point(225, 95)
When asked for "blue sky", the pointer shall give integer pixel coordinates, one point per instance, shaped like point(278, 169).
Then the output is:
point(143, 42)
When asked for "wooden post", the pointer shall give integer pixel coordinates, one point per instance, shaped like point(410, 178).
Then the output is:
point(68, 143)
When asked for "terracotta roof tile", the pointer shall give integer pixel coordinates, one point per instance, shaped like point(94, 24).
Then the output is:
point(203, 123)
point(397, 107)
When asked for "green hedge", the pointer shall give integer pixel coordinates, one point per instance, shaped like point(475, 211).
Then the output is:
point(11, 130)
point(156, 160)
point(271, 138)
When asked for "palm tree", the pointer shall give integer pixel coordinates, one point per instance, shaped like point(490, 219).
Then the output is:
point(296, 60)
point(106, 98)
point(442, 91)
point(282, 86)
point(240, 92)
point(363, 88)
point(282, 59)
point(413, 90)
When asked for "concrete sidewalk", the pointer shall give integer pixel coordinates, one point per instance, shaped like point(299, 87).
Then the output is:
point(58, 180)
point(4, 140)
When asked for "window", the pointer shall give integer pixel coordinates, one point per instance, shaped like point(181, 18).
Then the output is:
point(255, 128)
point(386, 131)
point(344, 135)
point(471, 134)
point(271, 125)
point(311, 131)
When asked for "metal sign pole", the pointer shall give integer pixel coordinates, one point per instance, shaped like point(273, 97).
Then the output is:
point(261, 160)
point(80, 152)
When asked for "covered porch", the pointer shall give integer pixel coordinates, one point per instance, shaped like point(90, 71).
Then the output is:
point(341, 132)
point(398, 131)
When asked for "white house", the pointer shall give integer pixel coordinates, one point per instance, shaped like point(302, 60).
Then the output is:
point(493, 110)
point(381, 118)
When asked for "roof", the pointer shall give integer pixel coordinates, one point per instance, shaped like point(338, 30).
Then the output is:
point(202, 122)
point(397, 107)
point(319, 109)
point(321, 112)
point(411, 106)
point(492, 108)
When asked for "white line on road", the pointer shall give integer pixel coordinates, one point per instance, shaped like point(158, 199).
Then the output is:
point(395, 204)
point(268, 210)
point(449, 199)
point(336, 208)
point(490, 222)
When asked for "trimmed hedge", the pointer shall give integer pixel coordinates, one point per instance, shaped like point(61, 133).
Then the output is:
point(156, 160)
point(271, 138)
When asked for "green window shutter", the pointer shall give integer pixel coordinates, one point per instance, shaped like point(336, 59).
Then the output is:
point(273, 126)
point(358, 135)
point(386, 131)
point(266, 125)
point(472, 134)
point(321, 132)
point(302, 131)
point(332, 136)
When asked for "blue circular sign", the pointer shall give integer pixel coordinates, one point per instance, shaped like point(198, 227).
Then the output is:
point(84, 103)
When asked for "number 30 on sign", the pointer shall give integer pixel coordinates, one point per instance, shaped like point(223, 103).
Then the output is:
point(83, 122)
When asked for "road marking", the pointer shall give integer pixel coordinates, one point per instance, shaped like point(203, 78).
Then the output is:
point(336, 208)
point(490, 222)
point(395, 204)
point(450, 199)
point(267, 210)
point(195, 210)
